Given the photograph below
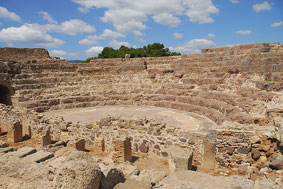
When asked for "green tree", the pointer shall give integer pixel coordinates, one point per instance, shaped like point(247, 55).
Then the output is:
point(151, 50)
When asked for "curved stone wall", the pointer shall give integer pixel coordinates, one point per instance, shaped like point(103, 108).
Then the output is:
point(224, 84)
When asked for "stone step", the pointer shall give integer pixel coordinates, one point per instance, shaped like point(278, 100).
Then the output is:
point(39, 156)
point(23, 152)
point(7, 149)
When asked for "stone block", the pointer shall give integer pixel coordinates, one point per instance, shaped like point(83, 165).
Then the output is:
point(46, 137)
point(39, 156)
point(208, 162)
point(25, 151)
point(15, 134)
point(99, 145)
point(122, 150)
point(7, 149)
point(78, 144)
point(180, 159)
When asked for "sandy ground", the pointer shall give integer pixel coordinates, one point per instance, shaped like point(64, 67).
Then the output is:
point(185, 120)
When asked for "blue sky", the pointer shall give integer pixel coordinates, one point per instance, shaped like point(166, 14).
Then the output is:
point(77, 29)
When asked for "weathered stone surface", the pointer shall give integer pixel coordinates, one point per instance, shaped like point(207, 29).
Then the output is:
point(255, 154)
point(196, 180)
point(122, 150)
point(133, 184)
point(78, 171)
point(7, 149)
point(78, 144)
point(15, 134)
point(46, 137)
point(24, 151)
point(152, 176)
point(180, 159)
point(99, 145)
point(113, 177)
point(143, 148)
point(39, 156)
point(243, 169)
point(3, 144)
point(276, 164)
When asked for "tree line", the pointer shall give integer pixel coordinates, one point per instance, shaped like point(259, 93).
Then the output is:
point(151, 50)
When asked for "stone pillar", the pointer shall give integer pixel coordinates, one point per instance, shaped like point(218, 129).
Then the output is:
point(208, 161)
point(180, 159)
point(99, 145)
point(15, 134)
point(46, 137)
point(122, 150)
point(78, 144)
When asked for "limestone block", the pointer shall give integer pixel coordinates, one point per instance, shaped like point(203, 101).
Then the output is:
point(78, 144)
point(99, 145)
point(46, 137)
point(39, 156)
point(15, 133)
point(7, 149)
point(180, 159)
point(209, 155)
point(24, 151)
point(122, 150)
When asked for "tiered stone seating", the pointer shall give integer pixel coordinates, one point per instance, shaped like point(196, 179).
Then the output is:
point(221, 83)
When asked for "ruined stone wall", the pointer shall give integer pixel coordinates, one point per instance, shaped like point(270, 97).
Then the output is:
point(224, 84)
point(23, 54)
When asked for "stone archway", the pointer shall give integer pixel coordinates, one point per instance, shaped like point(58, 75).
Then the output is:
point(6, 92)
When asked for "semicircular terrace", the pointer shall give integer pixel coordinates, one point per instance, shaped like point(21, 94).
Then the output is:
point(224, 84)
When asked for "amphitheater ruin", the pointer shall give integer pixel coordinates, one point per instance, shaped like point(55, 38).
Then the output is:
point(207, 120)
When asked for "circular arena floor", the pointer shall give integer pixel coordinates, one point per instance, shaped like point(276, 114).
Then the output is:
point(184, 120)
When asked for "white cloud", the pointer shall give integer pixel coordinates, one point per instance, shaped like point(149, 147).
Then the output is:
point(117, 44)
point(87, 41)
point(193, 46)
point(200, 11)
point(93, 51)
point(141, 40)
point(277, 24)
point(244, 32)
point(92, 39)
point(262, 7)
point(69, 27)
point(178, 35)
point(46, 16)
point(129, 16)
point(234, 1)
point(211, 35)
point(167, 19)
point(28, 34)
point(62, 54)
point(10, 16)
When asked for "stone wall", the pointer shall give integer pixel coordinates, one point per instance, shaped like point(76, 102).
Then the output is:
point(23, 54)
point(224, 84)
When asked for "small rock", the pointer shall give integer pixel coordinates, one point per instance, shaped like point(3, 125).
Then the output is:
point(262, 159)
point(242, 169)
point(254, 139)
point(255, 154)
point(276, 164)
